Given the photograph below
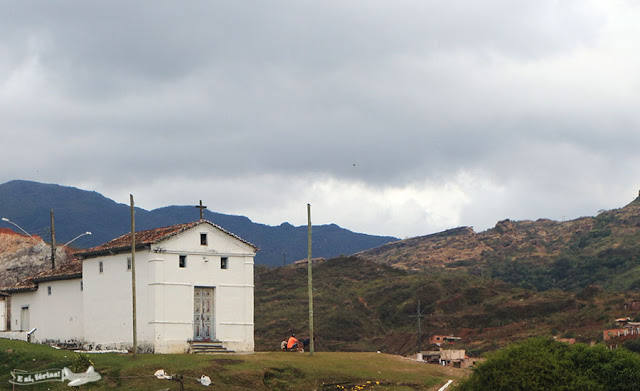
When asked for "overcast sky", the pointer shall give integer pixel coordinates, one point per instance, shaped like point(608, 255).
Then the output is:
point(398, 117)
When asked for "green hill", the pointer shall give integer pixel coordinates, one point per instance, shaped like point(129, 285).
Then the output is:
point(516, 280)
point(361, 305)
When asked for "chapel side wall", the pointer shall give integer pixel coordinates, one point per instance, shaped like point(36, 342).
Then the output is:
point(108, 303)
point(58, 317)
point(234, 303)
point(65, 305)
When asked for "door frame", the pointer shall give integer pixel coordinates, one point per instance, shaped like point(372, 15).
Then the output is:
point(212, 334)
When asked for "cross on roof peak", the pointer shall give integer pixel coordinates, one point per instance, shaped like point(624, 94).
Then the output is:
point(202, 208)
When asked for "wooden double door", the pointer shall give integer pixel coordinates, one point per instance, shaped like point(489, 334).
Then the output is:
point(203, 314)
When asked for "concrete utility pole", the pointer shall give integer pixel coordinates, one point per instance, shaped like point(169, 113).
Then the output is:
point(419, 317)
point(133, 276)
point(310, 280)
point(53, 242)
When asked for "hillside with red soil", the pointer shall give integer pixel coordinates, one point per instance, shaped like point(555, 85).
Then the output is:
point(23, 256)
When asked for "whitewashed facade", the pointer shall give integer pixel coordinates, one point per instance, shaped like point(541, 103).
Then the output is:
point(194, 282)
point(55, 309)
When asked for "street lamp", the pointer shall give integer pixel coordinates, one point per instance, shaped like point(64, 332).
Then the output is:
point(11, 222)
point(77, 237)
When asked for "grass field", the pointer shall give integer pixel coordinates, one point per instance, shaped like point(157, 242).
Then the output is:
point(259, 371)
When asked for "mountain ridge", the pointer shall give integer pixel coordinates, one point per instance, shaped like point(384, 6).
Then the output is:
point(597, 249)
point(29, 203)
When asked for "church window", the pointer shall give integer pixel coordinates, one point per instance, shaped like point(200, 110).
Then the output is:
point(203, 239)
point(224, 263)
point(49, 290)
point(182, 261)
point(128, 263)
point(100, 267)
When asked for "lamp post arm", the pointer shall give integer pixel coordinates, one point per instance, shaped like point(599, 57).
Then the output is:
point(19, 227)
point(77, 237)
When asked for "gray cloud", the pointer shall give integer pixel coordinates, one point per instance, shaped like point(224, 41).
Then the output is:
point(530, 103)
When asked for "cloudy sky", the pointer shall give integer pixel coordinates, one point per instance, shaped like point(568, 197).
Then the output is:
point(394, 117)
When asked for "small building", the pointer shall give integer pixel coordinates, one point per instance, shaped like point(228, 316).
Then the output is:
point(448, 357)
point(194, 283)
point(50, 302)
point(443, 339)
point(569, 341)
point(626, 328)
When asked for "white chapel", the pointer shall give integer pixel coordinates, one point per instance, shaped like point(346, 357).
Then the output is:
point(194, 286)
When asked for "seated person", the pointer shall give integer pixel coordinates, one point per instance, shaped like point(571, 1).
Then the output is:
point(292, 343)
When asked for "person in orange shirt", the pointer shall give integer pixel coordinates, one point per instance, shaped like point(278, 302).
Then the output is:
point(292, 343)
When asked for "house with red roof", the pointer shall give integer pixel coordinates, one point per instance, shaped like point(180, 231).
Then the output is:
point(194, 291)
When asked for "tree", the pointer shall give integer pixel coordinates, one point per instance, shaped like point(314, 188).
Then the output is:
point(544, 364)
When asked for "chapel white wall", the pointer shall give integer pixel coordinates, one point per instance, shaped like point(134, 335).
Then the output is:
point(108, 302)
point(58, 317)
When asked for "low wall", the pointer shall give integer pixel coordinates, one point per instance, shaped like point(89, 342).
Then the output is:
point(20, 335)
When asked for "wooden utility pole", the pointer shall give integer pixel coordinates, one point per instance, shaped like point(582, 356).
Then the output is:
point(53, 242)
point(133, 276)
point(310, 280)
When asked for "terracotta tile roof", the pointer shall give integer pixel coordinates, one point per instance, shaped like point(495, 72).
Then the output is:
point(71, 269)
point(24, 286)
point(149, 237)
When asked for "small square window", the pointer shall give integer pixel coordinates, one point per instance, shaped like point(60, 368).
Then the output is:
point(100, 267)
point(128, 263)
point(182, 262)
point(203, 239)
point(49, 290)
point(224, 263)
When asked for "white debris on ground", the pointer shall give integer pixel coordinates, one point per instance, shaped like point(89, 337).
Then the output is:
point(101, 351)
point(161, 374)
point(205, 380)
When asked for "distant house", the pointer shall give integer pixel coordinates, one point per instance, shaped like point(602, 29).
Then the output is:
point(194, 283)
point(455, 358)
point(570, 341)
point(443, 339)
point(626, 330)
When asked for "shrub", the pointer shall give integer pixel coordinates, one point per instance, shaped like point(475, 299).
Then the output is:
point(544, 364)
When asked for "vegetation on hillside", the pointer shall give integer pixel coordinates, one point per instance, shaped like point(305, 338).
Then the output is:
point(361, 305)
point(539, 364)
point(540, 255)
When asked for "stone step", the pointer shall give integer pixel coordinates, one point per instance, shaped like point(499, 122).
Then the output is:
point(208, 347)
